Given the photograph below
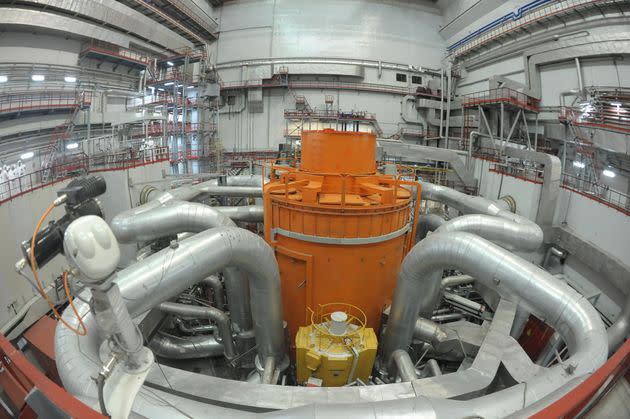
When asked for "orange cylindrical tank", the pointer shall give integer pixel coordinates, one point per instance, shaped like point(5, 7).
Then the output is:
point(340, 229)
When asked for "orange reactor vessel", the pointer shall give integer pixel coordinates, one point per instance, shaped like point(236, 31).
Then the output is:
point(340, 229)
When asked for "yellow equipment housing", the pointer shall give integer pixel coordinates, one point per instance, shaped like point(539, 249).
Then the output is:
point(336, 348)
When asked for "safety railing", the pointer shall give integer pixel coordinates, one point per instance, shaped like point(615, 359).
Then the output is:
point(597, 192)
point(500, 95)
point(28, 101)
point(332, 85)
point(192, 54)
point(156, 130)
point(326, 114)
point(104, 48)
point(166, 100)
point(526, 15)
point(606, 117)
point(529, 173)
point(77, 165)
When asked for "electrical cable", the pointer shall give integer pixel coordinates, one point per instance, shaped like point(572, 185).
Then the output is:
point(40, 287)
point(100, 385)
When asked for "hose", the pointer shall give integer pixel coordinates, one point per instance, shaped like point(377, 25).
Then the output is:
point(40, 287)
point(100, 385)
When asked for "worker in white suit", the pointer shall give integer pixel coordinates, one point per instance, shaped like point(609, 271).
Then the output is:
point(13, 188)
point(25, 180)
point(4, 182)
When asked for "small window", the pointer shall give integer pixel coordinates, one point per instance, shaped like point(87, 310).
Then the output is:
point(401, 77)
point(416, 79)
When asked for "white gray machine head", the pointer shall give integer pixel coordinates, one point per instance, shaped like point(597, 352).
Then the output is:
point(90, 246)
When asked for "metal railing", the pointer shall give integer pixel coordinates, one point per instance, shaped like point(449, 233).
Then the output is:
point(512, 22)
point(111, 50)
point(156, 130)
point(79, 164)
point(333, 85)
point(326, 114)
point(500, 95)
point(601, 117)
point(27, 101)
point(598, 192)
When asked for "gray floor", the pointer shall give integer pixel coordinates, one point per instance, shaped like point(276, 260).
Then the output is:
point(615, 404)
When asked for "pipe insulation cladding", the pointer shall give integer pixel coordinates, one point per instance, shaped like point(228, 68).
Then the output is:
point(568, 312)
point(166, 274)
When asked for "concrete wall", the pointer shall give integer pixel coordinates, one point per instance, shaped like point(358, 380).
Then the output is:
point(403, 32)
point(604, 227)
point(19, 217)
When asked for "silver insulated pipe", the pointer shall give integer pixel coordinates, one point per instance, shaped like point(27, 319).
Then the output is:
point(166, 274)
point(567, 311)
point(486, 219)
point(175, 217)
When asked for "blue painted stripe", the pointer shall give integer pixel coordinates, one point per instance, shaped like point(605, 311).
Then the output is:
point(503, 19)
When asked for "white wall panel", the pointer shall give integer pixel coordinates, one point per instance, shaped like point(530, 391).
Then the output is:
point(19, 216)
point(26, 47)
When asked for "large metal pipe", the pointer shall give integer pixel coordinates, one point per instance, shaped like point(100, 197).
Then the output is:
point(176, 216)
point(511, 235)
point(235, 191)
point(166, 274)
point(186, 347)
point(404, 366)
point(486, 219)
point(433, 368)
point(243, 213)
point(426, 223)
point(211, 313)
point(430, 332)
point(452, 281)
point(419, 281)
point(215, 284)
point(189, 192)
point(167, 220)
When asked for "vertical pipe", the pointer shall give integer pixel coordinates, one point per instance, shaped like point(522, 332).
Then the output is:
point(448, 103)
point(433, 368)
point(441, 135)
point(536, 135)
point(501, 124)
point(578, 67)
point(404, 365)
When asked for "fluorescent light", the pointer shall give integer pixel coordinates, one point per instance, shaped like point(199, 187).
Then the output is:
point(27, 155)
point(160, 89)
point(608, 173)
point(170, 83)
point(38, 77)
point(3, 79)
point(70, 79)
point(72, 146)
point(191, 87)
point(617, 104)
point(579, 164)
point(170, 63)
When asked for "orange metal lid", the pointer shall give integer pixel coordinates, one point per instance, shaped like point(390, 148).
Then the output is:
point(330, 151)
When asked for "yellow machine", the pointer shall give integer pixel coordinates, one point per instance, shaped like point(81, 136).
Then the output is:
point(337, 348)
